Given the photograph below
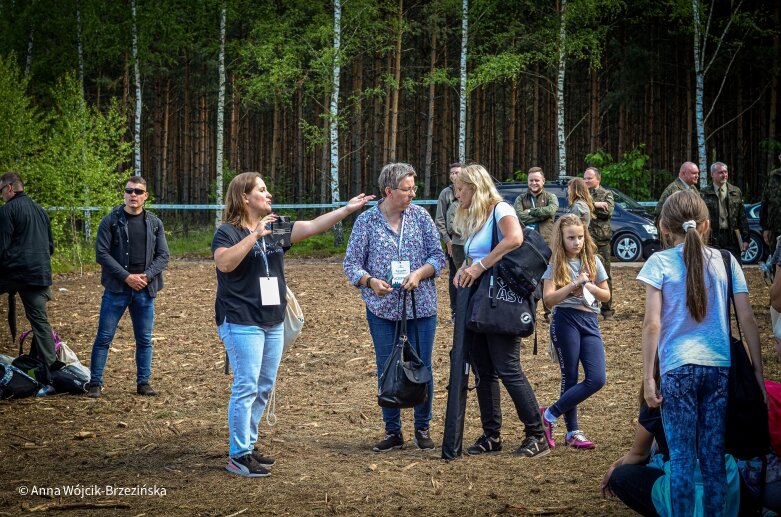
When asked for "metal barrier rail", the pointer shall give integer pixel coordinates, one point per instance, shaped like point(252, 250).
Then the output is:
point(285, 206)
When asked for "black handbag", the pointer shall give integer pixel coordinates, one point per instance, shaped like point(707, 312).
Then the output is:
point(523, 267)
point(404, 379)
point(498, 306)
point(747, 432)
point(496, 309)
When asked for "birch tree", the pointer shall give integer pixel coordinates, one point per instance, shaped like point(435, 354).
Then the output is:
point(562, 157)
point(334, 119)
point(220, 118)
point(137, 76)
point(462, 86)
point(79, 45)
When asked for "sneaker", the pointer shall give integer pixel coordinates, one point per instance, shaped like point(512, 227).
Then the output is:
point(246, 466)
point(578, 440)
point(423, 440)
point(95, 390)
point(485, 445)
point(145, 389)
point(266, 461)
point(391, 441)
point(532, 447)
point(548, 428)
point(607, 315)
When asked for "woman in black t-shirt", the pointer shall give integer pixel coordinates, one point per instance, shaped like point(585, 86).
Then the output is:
point(250, 306)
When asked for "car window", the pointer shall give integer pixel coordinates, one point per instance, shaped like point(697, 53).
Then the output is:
point(624, 201)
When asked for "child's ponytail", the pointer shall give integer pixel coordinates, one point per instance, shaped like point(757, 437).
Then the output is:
point(684, 213)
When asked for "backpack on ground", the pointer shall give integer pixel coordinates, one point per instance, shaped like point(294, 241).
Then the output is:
point(31, 364)
point(67, 374)
point(16, 384)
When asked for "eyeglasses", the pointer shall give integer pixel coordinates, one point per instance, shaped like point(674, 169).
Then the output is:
point(408, 190)
point(136, 191)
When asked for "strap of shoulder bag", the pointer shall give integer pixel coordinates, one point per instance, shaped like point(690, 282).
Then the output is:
point(726, 257)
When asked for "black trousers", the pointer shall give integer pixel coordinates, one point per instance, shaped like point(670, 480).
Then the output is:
point(495, 357)
point(725, 240)
point(34, 299)
point(632, 484)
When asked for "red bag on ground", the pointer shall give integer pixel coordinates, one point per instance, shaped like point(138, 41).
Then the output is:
point(774, 413)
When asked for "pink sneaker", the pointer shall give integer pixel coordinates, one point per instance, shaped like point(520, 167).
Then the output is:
point(578, 440)
point(548, 428)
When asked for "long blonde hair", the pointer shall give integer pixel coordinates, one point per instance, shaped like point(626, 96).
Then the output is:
point(562, 272)
point(680, 207)
point(469, 220)
point(578, 190)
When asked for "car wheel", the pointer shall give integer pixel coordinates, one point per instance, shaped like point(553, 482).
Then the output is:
point(627, 247)
point(755, 251)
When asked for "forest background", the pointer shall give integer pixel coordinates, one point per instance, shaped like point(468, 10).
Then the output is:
point(318, 95)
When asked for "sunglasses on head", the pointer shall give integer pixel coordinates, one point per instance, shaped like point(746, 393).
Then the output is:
point(136, 191)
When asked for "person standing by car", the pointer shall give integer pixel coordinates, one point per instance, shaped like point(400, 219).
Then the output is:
point(537, 207)
point(770, 212)
point(447, 204)
point(600, 229)
point(728, 222)
point(26, 247)
point(687, 178)
point(132, 252)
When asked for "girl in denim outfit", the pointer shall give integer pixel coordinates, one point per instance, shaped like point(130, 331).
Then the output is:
point(574, 284)
point(250, 307)
point(686, 325)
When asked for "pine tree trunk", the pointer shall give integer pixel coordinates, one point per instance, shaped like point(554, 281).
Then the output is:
point(79, 46)
point(772, 126)
point(430, 118)
point(536, 119)
point(511, 130)
point(357, 132)
point(594, 131)
point(392, 143)
point(164, 144)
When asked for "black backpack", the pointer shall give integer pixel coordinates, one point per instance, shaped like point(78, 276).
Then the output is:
point(32, 365)
point(14, 383)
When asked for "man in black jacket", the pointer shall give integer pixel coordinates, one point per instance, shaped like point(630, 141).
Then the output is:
point(132, 251)
point(26, 247)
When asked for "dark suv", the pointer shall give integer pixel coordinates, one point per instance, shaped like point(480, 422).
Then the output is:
point(634, 234)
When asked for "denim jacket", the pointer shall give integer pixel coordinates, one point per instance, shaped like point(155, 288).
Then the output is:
point(113, 254)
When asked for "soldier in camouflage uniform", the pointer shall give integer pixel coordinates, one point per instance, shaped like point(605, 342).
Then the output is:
point(600, 228)
point(728, 222)
point(687, 178)
point(770, 213)
point(537, 207)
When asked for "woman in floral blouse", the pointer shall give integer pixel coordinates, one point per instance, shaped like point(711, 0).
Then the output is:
point(394, 247)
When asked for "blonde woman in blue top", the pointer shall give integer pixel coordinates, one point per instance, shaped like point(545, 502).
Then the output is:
point(494, 356)
point(686, 325)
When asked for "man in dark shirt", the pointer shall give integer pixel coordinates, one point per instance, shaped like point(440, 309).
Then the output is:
point(132, 251)
point(26, 246)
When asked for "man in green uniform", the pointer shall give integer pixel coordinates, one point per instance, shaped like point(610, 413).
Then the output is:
point(600, 228)
point(770, 213)
point(728, 222)
point(537, 207)
point(687, 178)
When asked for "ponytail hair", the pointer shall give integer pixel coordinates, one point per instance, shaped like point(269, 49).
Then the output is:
point(679, 211)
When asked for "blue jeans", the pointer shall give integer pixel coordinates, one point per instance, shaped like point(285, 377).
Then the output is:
point(694, 408)
point(577, 339)
point(383, 332)
point(254, 354)
point(142, 315)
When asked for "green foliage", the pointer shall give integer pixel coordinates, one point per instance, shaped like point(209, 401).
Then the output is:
point(628, 175)
point(78, 165)
point(21, 124)
point(770, 145)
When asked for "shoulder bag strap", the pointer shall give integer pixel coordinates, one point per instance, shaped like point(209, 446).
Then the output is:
point(725, 256)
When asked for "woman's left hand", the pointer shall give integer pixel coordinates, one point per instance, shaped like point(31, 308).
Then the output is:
point(411, 282)
point(358, 202)
point(470, 275)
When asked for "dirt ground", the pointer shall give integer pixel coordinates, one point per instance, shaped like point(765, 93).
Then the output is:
point(327, 414)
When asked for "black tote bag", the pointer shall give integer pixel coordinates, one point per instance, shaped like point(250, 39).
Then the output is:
point(404, 379)
point(747, 432)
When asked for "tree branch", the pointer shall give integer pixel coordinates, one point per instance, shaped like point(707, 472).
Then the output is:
point(741, 113)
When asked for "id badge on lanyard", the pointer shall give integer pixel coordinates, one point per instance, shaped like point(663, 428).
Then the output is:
point(399, 269)
point(269, 285)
